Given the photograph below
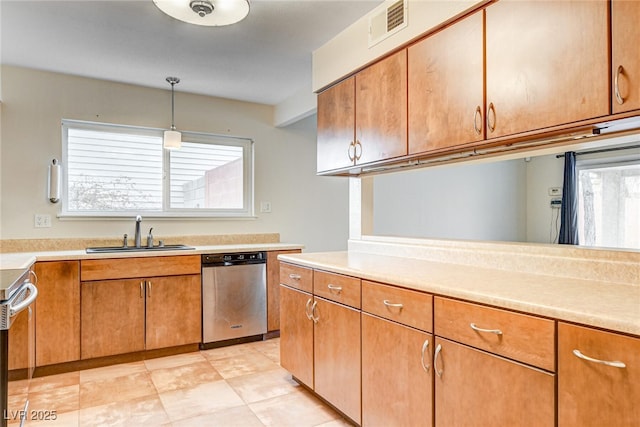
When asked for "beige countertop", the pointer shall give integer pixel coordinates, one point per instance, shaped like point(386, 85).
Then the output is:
point(594, 303)
point(19, 260)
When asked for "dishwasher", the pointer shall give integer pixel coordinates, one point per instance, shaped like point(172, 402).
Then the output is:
point(234, 298)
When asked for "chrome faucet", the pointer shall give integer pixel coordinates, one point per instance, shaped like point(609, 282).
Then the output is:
point(138, 240)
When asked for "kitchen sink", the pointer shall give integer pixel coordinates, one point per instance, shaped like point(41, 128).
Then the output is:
point(107, 249)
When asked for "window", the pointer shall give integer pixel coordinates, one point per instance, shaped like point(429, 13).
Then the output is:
point(113, 170)
point(609, 203)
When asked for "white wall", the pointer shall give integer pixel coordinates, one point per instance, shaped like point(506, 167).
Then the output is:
point(543, 172)
point(484, 201)
point(306, 209)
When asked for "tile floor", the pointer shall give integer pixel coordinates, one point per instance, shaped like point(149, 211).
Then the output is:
point(241, 385)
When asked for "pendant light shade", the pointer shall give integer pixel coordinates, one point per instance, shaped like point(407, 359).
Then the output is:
point(213, 13)
point(172, 138)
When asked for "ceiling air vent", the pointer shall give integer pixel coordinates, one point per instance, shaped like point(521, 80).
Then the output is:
point(387, 19)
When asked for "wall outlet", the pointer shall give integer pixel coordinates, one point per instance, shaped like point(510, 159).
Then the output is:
point(265, 207)
point(555, 191)
point(42, 221)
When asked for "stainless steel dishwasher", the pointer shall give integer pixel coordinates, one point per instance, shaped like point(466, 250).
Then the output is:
point(234, 298)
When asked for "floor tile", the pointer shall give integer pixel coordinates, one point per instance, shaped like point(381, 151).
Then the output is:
point(54, 381)
point(294, 409)
point(173, 361)
point(118, 389)
point(199, 400)
point(59, 399)
point(168, 379)
point(263, 385)
point(65, 419)
point(226, 352)
point(145, 411)
point(247, 362)
point(270, 348)
point(114, 371)
point(240, 416)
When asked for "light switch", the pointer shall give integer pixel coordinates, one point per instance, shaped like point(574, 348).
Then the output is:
point(42, 221)
point(265, 207)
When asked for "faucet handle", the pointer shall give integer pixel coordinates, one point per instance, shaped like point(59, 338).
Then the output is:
point(125, 243)
point(150, 238)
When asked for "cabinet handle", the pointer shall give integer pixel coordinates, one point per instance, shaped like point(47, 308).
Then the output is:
point(355, 150)
point(489, 331)
point(307, 312)
point(390, 304)
point(435, 361)
point(331, 287)
point(141, 289)
point(477, 127)
point(619, 97)
point(425, 346)
point(615, 364)
point(352, 144)
point(35, 277)
point(313, 311)
point(295, 276)
point(149, 286)
point(491, 110)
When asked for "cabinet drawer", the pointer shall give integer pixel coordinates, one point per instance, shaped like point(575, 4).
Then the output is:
point(129, 268)
point(336, 287)
point(411, 308)
point(517, 336)
point(296, 277)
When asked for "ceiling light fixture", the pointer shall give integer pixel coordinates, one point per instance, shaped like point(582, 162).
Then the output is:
point(172, 138)
point(205, 12)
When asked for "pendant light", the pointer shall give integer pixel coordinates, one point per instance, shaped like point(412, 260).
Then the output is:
point(214, 13)
point(172, 138)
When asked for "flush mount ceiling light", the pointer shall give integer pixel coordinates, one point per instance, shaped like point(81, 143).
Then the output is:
point(172, 138)
point(205, 12)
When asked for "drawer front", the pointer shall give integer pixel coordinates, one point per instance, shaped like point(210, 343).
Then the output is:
point(411, 308)
point(130, 268)
point(336, 287)
point(296, 277)
point(521, 337)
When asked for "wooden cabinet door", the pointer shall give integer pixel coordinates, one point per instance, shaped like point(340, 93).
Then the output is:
point(592, 393)
point(112, 320)
point(397, 376)
point(336, 124)
point(625, 33)
point(545, 64)
point(273, 288)
point(173, 311)
point(296, 334)
point(337, 356)
point(446, 87)
point(58, 312)
point(475, 388)
point(381, 109)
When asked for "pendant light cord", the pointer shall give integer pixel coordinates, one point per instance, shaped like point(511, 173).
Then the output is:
point(173, 81)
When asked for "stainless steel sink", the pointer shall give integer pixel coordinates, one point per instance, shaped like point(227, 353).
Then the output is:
point(103, 249)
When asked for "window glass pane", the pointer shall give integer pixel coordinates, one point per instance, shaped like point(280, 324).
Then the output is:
point(609, 206)
point(207, 176)
point(113, 171)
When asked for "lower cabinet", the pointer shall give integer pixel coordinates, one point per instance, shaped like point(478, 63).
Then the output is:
point(598, 378)
point(396, 374)
point(129, 315)
point(475, 388)
point(296, 334)
point(336, 356)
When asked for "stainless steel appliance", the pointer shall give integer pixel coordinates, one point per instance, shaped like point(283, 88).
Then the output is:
point(234, 298)
point(17, 293)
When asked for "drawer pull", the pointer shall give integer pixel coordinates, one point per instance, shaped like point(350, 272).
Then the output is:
point(307, 311)
point(295, 276)
point(390, 304)
point(489, 331)
point(425, 346)
point(331, 287)
point(615, 364)
point(435, 361)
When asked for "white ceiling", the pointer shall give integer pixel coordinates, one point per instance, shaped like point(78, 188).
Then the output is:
point(265, 58)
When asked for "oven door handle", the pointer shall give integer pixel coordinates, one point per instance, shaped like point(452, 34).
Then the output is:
point(33, 293)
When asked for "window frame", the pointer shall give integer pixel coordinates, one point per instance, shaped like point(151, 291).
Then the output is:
point(248, 156)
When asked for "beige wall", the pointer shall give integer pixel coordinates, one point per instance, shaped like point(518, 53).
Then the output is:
point(306, 209)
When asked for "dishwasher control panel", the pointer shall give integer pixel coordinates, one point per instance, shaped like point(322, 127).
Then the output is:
point(234, 258)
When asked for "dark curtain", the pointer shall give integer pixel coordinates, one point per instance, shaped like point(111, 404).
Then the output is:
point(569, 210)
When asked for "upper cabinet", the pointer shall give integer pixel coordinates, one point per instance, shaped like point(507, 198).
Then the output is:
point(546, 64)
point(363, 119)
point(625, 64)
point(446, 87)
